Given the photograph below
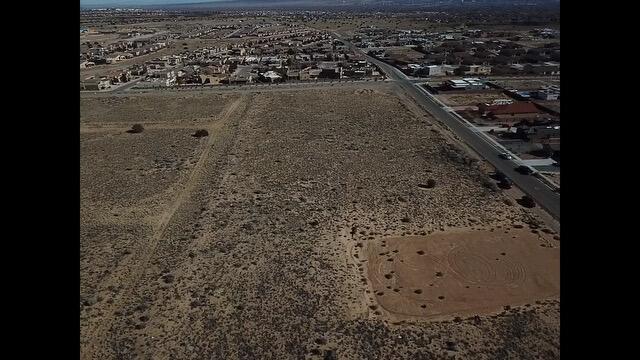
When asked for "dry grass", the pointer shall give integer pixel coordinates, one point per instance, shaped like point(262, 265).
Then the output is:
point(235, 245)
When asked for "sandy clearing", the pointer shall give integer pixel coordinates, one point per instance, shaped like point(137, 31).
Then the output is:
point(471, 99)
point(461, 273)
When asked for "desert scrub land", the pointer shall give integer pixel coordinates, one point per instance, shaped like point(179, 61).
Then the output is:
point(175, 108)
point(251, 243)
point(471, 99)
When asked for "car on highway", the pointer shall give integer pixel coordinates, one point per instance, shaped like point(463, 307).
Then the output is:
point(506, 156)
point(524, 170)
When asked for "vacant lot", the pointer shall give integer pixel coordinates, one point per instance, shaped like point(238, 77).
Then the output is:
point(471, 99)
point(240, 244)
point(404, 55)
point(461, 273)
point(526, 85)
point(169, 108)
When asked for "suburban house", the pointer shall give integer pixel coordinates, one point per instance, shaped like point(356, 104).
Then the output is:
point(243, 74)
point(476, 70)
point(90, 84)
point(548, 68)
point(272, 76)
point(171, 78)
point(540, 134)
point(464, 84)
point(95, 84)
point(310, 73)
point(293, 74)
point(502, 111)
point(210, 79)
point(547, 93)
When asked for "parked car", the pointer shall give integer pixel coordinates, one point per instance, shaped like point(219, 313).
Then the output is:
point(524, 170)
point(506, 156)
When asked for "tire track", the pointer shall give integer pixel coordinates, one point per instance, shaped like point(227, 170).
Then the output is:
point(180, 327)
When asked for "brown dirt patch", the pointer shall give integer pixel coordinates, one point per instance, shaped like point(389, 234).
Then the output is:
point(471, 99)
point(461, 273)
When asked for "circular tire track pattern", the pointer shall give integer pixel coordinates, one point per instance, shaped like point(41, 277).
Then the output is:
point(460, 273)
point(473, 268)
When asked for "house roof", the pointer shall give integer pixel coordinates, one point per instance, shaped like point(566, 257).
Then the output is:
point(271, 74)
point(514, 108)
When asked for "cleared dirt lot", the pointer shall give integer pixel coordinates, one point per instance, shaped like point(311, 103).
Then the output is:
point(462, 272)
point(526, 85)
point(244, 248)
point(471, 99)
point(404, 54)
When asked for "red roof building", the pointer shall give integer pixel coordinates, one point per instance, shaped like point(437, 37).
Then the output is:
point(516, 108)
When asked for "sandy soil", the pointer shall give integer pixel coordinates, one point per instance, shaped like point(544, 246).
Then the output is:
point(184, 108)
point(461, 273)
point(405, 54)
point(237, 245)
point(525, 85)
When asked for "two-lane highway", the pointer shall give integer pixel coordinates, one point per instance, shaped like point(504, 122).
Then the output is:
point(531, 185)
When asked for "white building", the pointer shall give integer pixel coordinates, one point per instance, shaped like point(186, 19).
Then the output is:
point(479, 70)
point(440, 70)
point(434, 70)
point(171, 78)
point(548, 93)
point(104, 84)
point(272, 76)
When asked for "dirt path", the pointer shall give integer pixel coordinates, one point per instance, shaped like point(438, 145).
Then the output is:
point(141, 258)
point(215, 173)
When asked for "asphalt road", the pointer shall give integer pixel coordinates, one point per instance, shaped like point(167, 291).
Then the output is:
point(545, 196)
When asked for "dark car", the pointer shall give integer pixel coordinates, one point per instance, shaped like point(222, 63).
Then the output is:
point(524, 170)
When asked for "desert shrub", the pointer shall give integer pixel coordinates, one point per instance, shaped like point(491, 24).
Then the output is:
point(489, 184)
point(136, 129)
point(201, 133)
point(527, 201)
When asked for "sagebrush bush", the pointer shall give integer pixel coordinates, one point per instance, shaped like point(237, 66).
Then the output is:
point(201, 133)
point(136, 128)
